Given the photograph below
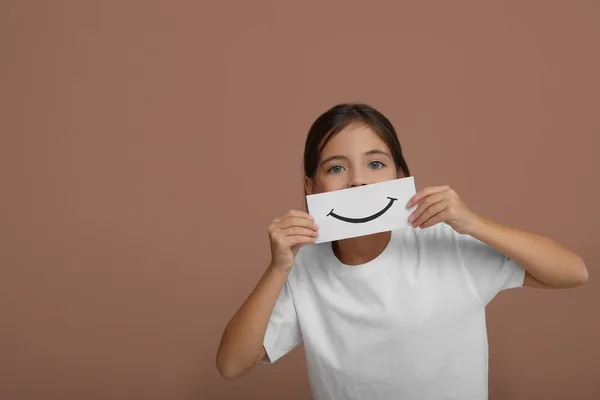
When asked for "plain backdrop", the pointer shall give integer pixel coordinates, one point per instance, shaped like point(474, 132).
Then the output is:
point(145, 147)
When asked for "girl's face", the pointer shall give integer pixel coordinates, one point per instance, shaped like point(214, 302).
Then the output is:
point(355, 156)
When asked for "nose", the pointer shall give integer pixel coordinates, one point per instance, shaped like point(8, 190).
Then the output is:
point(356, 179)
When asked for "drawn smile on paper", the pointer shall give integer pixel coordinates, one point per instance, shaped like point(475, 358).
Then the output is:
point(365, 219)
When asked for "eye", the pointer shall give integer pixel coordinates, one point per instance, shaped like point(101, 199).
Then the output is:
point(376, 165)
point(336, 169)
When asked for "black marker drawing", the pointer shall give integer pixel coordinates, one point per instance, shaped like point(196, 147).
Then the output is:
point(365, 219)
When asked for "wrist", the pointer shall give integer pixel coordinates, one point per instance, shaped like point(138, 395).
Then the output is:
point(476, 226)
point(279, 268)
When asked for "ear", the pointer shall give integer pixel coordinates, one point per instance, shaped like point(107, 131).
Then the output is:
point(309, 185)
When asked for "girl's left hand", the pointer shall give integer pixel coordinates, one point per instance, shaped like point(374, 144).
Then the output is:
point(441, 204)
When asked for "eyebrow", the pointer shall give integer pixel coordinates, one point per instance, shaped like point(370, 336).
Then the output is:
point(378, 151)
point(368, 153)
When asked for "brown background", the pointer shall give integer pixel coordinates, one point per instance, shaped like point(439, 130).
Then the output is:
point(146, 146)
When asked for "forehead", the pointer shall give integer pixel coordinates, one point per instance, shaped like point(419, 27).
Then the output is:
point(354, 138)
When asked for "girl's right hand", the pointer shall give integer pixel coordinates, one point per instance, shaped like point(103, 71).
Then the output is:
point(288, 233)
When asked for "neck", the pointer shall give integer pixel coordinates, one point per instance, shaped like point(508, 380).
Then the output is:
point(361, 250)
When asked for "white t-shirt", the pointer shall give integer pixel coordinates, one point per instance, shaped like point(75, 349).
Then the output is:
point(409, 324)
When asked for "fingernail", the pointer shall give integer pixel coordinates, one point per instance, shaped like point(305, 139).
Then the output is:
point(411, 218)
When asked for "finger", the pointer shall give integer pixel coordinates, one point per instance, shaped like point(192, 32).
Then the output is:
point(298, 231)
point(292, 240)
point(300, 240)
point(292, 222)
point(424, 193)
point(425, 204)
point(429, 207)
point(436, 219)
point(296, 221)
point(293, 213)
point(430, 213)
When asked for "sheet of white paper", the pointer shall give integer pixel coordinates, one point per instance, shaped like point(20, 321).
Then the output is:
point(362, 210)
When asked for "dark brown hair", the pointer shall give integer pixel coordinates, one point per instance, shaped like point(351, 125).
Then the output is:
point(337, 118)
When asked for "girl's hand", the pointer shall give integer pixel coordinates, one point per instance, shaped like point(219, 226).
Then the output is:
point(288, 233)
point(442, 204)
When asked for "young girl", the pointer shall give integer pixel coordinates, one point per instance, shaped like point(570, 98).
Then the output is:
point(393, 315)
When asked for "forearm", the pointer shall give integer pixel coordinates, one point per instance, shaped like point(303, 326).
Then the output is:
point(543, 258)
point(242, 342)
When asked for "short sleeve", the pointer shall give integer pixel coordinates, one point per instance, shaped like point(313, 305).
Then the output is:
point(283, 332)
point(489, 271)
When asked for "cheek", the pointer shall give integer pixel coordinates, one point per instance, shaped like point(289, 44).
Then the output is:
point(385, 175)
point(330, 182)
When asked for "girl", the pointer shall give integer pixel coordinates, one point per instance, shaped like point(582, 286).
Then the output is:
point(393, 315)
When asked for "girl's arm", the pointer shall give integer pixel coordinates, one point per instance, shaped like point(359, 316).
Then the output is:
point(547, 263)
point(241, 346)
